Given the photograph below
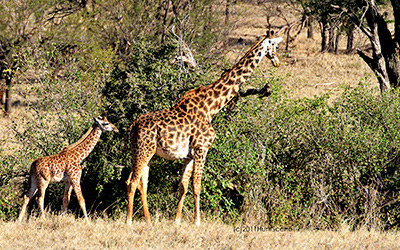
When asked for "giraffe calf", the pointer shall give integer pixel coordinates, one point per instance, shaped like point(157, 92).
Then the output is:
point(64, 166)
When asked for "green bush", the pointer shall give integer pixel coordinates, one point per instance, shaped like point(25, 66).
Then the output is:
point(322, 165)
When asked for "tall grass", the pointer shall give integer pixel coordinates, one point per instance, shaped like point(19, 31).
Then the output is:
point(65, 232)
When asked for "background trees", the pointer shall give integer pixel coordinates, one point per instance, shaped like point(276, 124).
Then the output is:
point(374, 22)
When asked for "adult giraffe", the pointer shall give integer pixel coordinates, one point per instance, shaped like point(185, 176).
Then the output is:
point(185, 132)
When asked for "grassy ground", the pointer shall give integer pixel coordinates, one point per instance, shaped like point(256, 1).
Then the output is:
point(65, 232)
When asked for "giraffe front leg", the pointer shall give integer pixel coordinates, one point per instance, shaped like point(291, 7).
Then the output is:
point(67, 195)
point(76, 185)
point(199, 159)
point(183, 187)
point(196, 191)
point(81, 200)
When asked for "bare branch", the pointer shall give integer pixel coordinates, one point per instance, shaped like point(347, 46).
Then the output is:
point(263, 92)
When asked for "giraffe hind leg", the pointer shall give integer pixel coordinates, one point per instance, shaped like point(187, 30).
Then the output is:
point(183, 187)
point(131, 188)
point(67, 195)
point(143, 191)
point(32, 189)
point(138, 180)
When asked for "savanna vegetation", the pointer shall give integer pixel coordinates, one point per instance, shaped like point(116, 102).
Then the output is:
point(310, 162)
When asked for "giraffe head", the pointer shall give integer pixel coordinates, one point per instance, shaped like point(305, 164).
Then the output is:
point(269, 46)
point(104, 124)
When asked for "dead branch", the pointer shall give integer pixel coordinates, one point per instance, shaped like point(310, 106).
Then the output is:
point(263, 92)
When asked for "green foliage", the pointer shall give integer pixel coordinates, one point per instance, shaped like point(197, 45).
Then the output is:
point(8, 178)
point(326, 164)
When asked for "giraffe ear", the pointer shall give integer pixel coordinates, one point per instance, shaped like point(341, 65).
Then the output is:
point(270, 33)
point(104, 115)
point(276, 40)
point(96, 120)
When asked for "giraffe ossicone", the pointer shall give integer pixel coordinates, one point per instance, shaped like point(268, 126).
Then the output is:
point(64, 166)
point(185, 131)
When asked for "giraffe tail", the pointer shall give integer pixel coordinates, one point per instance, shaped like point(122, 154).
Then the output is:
point(29, 174)
point(127, 136)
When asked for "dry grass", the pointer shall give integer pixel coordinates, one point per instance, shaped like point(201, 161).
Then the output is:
point(65, 232)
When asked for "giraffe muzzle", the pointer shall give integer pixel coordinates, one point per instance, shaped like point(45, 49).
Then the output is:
point(276, 62)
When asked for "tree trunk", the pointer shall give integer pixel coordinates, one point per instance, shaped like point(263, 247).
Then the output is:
point(287, 38)
point(337, 39)
point(396, 13)
point(385, 61)
point(7, 105)
point(350, 40)
point(393, 68)
point(165, 21)
point(227, 11)
point(331, 41)
point(324, 34)
point(390, 48)
point(310, 31)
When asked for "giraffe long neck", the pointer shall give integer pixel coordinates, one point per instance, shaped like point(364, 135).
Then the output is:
point(82, 148)
point(223, 90)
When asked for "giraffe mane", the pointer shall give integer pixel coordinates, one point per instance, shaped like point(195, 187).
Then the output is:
point(252, 48)
point(80, 140)
point(269, 34)
point(189, 93)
